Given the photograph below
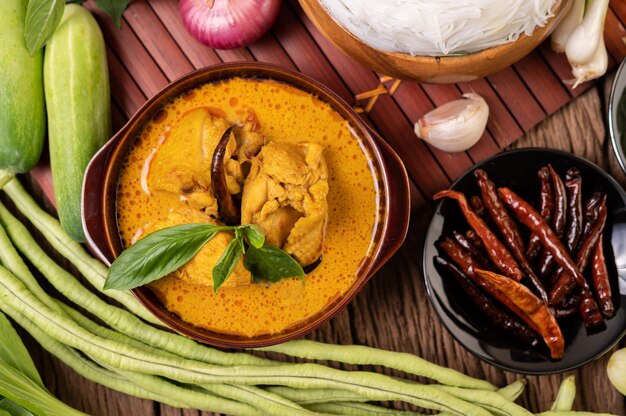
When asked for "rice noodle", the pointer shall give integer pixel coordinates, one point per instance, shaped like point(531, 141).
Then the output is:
point(439, 27)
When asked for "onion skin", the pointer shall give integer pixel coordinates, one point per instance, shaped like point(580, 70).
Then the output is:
point(228, 24)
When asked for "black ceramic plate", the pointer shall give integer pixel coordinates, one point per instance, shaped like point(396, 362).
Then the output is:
point(518, 170)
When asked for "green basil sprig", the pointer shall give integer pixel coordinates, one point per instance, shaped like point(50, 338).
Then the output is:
point(164, 251)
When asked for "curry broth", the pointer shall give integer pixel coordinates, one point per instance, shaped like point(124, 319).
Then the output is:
point(284, 114)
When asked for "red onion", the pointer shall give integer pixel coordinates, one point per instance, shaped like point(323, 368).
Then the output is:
point(228, 24)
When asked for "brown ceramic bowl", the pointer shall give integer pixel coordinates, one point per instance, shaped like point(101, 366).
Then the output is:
point(440, 69)
point(101, 179)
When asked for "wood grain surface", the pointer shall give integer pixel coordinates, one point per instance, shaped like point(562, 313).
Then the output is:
point(392, 312)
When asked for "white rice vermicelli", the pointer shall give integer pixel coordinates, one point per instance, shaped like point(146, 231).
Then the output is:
point(439, 27)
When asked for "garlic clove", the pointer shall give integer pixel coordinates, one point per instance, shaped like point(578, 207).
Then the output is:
point(616, 370)
point(455, 126)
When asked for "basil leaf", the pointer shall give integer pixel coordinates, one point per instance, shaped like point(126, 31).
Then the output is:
point(12, 408)
point(159, 254)
point(255, 235)
point(14, 353)
point(271, 263)
point(114, 8)
point(226, 263)
point(42, 18)
point(239, 238)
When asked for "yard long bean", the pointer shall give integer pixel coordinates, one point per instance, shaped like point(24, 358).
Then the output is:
point(93, 270)
point(361, 355)
point(117, 318)
point(124, 357)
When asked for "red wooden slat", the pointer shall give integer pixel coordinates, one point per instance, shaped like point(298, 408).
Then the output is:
point(199, 55)
point(522, 104)
point(619, 8)
point(157, 40)
point(124, 91)
point(134, 56)
point(268, 49)
point(614, 33)
point(560, 66)
point(542, 82)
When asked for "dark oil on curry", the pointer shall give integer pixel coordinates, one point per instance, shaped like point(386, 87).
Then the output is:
point(166, 181)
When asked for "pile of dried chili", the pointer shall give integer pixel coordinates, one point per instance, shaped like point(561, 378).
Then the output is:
point(525, 288)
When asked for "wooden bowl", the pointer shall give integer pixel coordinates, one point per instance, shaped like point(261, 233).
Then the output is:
point(101, 180)
point(433, 69)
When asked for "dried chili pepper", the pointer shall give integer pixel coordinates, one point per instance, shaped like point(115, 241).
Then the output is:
point(492, 312)
point(508, 228)
point(566, 282)
point(496, 251)
point(589, 309)
point(479, 207)
point(459, 256)
point(546, 206)
point(527, 215)
point(471, 250)
point(559, 217)
point(590, 213)
point(473, 238)
point(567, 308)
point(573, 231)
point(562, 312)
point(601, 284)
point(522, 302)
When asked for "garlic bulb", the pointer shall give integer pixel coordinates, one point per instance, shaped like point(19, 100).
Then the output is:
point(616, 370)
point(455, 126)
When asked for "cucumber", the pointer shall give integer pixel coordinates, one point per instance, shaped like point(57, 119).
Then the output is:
point(76, 83)
point(22, 105)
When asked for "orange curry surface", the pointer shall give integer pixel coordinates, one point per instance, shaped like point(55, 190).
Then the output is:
point(281, 114)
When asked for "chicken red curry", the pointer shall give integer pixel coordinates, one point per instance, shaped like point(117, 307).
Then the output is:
point(292, 166)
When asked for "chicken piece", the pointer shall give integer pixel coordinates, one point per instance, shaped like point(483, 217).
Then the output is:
point(285, 194)
point(198, 269)
point(181, 163)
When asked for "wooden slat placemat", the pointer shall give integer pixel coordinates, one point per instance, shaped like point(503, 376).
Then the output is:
point(152, 48)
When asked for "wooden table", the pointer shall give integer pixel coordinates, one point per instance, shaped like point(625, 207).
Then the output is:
point(392, 312)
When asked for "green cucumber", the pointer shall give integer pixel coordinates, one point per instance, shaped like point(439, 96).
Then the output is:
point(22, 105)
point(76, 82)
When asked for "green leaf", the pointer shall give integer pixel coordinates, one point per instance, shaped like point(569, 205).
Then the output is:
point(271, 263)
point(21, 390)
point(226, 263)
point(14, 353)
point(12, 409)
point(255, 235)
point(159, 254)
point(114, 8)
point(42, 19)
point(239, 238)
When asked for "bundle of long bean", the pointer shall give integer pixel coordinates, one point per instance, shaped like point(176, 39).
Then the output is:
point(136, 358)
